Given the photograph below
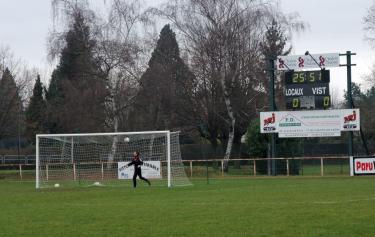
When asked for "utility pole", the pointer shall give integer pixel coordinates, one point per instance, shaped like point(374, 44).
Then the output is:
point(349, 65)
point(271, 99)
point(19, 131)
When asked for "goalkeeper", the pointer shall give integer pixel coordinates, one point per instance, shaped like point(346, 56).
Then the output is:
point(137, 162)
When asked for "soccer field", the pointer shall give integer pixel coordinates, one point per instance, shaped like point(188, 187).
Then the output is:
point(342, 206)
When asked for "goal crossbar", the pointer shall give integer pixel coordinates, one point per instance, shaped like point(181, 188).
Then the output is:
point(101, 134)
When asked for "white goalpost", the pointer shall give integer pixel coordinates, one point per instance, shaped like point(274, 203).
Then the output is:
point(100, 159)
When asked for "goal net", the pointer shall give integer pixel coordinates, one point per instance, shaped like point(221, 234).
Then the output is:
point(101, 158)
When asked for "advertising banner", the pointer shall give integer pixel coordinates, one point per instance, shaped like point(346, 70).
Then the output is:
point(311, 123)
point(299, 62)
point(268, 122)
point(350, 120)
point(150, 170)
point(362, 165)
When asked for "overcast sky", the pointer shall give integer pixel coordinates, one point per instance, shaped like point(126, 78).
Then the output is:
point(335, 26)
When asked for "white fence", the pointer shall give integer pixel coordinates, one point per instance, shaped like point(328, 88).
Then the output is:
point(23, 167)
point(260, 166)
point(15, 159)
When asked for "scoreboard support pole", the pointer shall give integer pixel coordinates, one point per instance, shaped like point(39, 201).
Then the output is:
point(350, 104)
point(272, 107)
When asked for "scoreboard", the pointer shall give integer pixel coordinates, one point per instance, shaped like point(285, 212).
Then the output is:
point(307, 77)
point(307, 89)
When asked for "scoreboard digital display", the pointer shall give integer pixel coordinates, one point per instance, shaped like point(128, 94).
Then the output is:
point(308, 102)
point(307, 77)
point(307, 89)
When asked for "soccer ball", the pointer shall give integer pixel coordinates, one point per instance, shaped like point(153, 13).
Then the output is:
point(126, 139)
point(97, 184)
point(57, 185)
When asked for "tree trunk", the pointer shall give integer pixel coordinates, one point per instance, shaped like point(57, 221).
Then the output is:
point(112, 154)
point(228, 105)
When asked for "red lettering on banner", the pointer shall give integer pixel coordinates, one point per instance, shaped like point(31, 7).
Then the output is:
point(270, 120)
point(351, 117)
point(301, 62)
point(321, 61)
point(281, 63)
point(365, 166)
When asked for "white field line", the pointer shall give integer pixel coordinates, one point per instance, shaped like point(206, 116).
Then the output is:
point(346, 201)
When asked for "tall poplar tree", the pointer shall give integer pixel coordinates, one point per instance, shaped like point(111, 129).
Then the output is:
point(10, 106)
point(77, 92)
point(36, 111)
point(164, 100)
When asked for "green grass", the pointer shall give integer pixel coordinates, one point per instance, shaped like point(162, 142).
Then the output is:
point(296, 206)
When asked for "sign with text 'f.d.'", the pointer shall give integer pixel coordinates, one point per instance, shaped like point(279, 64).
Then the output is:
point(362, 165)
point(310, 123)
point(300, 62)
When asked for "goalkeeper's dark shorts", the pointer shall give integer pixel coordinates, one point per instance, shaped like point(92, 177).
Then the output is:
point(138, 172)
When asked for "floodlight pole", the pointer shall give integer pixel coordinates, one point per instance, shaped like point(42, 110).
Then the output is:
point(272, 107)
point(316, 62)
point(350, 99)
point(349, 65)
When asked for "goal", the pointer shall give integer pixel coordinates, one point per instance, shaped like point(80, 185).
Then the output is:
point(66, 160)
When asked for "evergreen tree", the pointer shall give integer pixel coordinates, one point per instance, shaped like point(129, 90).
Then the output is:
point(166, 87)
point(77, 92)
point(365, 101)
point(367, 106)
point(356, 95)
point(55, 100)
point(273, 45)
point(36, 112)
point(10, 106)
point(274, 41)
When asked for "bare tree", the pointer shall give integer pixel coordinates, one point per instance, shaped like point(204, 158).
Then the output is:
point(223, 38)
point(369, 28)
point(122, 51)
point(369, 25)
point(22, 73)
point(123, 35)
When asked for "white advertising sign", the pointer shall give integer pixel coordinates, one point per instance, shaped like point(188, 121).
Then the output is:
point(150, 170)
point(299, 62)
point(362, 165)
point(311, 123)
point(318, 123)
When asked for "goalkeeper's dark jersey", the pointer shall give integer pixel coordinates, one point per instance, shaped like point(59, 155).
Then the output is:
point(136, 162)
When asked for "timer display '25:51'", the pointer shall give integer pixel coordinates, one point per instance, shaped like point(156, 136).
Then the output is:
point(307, 77)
